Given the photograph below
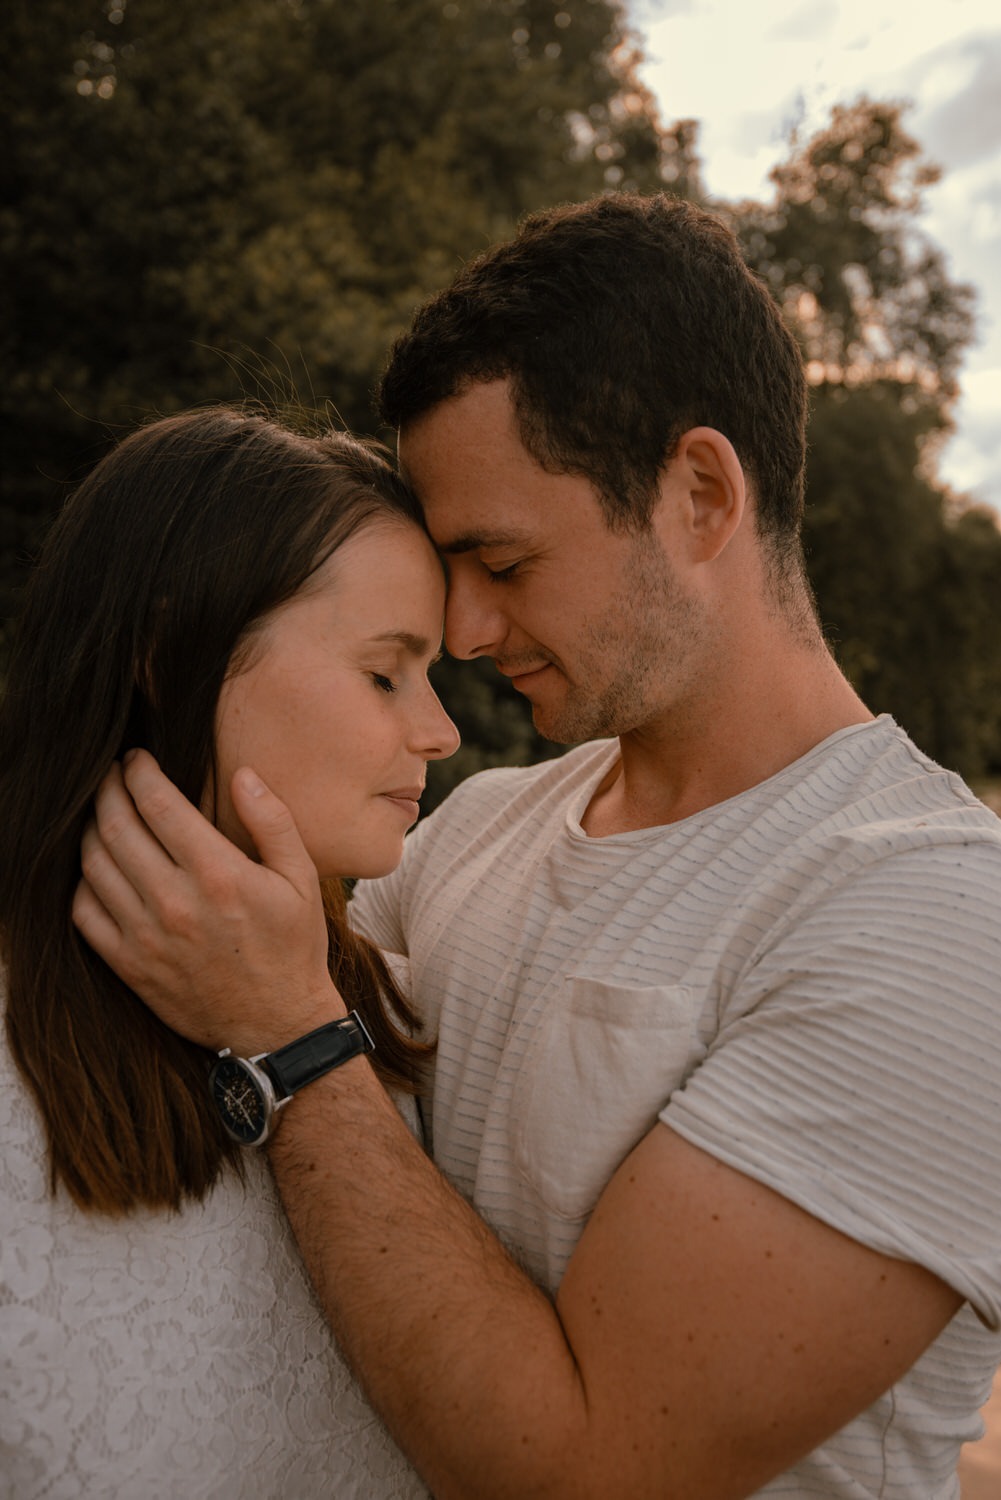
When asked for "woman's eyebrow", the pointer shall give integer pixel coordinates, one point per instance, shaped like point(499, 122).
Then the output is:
point(416, 645)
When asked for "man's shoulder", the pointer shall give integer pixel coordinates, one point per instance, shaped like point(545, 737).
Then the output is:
point(867, 811)
point(873, 783)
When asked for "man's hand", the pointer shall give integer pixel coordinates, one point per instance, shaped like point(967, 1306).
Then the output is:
point(226, 951)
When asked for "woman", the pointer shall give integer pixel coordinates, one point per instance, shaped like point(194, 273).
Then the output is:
point(220, 590)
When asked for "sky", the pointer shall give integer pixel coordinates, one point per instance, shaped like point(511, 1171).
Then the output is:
point(749, 72)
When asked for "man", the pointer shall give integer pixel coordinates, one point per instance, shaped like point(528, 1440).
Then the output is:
point(716, 999)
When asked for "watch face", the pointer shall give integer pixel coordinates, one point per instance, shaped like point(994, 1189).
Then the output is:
point(240, 1100)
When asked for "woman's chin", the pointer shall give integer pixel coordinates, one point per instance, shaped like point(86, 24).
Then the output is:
point(370, 867)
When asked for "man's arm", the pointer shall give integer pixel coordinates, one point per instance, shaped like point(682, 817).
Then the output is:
point(707, 1333)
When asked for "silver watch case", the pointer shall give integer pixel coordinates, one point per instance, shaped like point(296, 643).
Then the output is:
point(245, 1097)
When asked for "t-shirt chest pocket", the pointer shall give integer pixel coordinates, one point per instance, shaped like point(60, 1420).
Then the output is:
point(604, 1060)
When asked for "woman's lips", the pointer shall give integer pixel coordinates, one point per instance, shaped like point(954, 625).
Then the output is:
point(407, 799)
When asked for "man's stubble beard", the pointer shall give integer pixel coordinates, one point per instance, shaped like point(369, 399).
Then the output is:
point(636, 659)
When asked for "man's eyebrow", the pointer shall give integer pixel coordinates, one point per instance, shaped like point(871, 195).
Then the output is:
point(470, 541)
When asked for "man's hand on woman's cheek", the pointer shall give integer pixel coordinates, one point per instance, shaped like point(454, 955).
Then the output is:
point(226, 951)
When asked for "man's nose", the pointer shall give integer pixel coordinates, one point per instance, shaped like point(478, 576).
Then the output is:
point(475, 624)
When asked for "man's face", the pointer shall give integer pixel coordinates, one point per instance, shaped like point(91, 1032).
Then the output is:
point(594, 627)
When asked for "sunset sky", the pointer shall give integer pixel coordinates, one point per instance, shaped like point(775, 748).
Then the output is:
point(749, 73)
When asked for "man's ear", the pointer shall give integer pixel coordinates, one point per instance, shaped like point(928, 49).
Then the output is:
point(708, 480)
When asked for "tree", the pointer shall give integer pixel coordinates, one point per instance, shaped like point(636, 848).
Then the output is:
point(959, 640)
point(283, 178)
point(903, 575)
point(839, 248)
point(251, 196)
point(254, 194)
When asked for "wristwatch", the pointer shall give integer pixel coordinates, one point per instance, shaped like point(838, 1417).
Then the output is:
point(249, 1092)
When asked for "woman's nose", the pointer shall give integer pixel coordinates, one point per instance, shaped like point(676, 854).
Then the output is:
point(440, 736)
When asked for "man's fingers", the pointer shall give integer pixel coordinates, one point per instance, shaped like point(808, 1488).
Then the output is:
point(273, 830)
point(115, 925)
point(195, 927)
point(124, 832)
point(144, 820)
point(102, 875)
point(95, 926)
point(153, 822)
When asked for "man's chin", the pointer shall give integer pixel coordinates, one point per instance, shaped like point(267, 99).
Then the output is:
point(554, 735)
point(561, 727)
point(555, 716)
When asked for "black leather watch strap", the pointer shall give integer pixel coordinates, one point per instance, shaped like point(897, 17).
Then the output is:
point(316, 1053)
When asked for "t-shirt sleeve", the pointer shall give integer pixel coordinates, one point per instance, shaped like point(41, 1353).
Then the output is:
point(382, 909)
point(374, 911)
point(857, 1069)
point(379, 909)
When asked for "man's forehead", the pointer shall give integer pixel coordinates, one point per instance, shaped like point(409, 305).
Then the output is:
point(463, 511)
point(480, 489)
point(461, 428)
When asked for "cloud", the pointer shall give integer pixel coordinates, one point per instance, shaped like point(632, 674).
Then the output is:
point(771, 127)
point(963, 214)
point(810, 23)
point(971, 460)
point(644, 13)
point(966, 127)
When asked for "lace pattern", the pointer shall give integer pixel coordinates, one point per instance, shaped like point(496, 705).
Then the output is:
point(169, 1355)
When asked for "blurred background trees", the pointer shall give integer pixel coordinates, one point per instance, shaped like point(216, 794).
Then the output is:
point(907, 576)
point(250, 197)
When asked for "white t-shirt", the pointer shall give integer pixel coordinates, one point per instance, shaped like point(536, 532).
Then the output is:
point(169, 1356)
point(804, 980)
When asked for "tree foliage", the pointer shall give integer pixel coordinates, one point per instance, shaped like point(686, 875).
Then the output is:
point(250, 197)
point(285, 177)
point(884, 329)
point(840, 250)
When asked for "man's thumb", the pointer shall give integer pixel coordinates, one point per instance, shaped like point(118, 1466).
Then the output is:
point(272, 828)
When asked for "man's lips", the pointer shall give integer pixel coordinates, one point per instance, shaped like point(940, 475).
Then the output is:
point(520, 675)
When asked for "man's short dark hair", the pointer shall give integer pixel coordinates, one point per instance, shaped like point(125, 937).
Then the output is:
point(621, 323)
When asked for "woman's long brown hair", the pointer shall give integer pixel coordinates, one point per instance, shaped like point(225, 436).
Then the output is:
point(160, 567)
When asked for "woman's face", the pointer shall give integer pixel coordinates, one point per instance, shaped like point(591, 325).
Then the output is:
point(334, 710)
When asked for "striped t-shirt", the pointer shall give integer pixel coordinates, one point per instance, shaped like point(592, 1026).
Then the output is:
point(804, 980)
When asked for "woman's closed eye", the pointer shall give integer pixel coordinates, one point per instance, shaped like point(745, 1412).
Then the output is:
point(384, 684)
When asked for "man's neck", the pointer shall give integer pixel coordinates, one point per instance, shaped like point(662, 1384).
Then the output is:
point(702, 752)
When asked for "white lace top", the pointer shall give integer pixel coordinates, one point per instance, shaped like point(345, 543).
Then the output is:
point(168, 1355)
